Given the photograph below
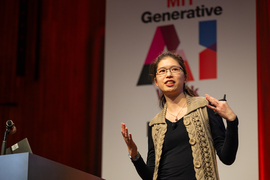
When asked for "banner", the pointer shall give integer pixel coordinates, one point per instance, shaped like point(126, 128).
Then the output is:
point(217, 40)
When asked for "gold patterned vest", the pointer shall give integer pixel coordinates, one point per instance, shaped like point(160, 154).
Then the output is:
point(197, 125)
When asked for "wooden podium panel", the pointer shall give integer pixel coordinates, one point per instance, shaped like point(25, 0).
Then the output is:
point(27, 166)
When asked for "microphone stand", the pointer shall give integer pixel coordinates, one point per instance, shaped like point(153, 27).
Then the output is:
point(4, 144)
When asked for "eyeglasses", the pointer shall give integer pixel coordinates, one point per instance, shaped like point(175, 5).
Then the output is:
point(173, 70)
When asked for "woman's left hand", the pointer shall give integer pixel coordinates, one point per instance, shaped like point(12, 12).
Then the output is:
point(221, 107)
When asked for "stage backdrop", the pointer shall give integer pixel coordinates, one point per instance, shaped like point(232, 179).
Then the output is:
point(217, 39)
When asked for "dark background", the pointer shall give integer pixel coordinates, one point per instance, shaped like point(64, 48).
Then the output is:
point(51, 78)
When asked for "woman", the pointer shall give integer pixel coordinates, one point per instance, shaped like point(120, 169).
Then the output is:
point(186, 134)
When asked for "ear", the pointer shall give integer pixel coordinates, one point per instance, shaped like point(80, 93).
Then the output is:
point(185, 80)
point(156, 82)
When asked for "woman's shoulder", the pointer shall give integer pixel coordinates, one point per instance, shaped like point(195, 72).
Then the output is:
point(196, 100)
point(195, 103)
point(159, 118)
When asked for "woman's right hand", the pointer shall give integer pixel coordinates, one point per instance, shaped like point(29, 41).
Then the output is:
point(132, 148)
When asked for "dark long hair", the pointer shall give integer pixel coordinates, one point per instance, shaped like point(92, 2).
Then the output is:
point(153, 69)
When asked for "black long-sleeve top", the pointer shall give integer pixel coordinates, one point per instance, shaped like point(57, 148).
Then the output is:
point(176, 160)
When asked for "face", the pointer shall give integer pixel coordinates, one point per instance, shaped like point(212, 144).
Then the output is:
point(170, 83)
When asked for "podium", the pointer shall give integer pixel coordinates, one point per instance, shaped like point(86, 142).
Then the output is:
point(27, 166)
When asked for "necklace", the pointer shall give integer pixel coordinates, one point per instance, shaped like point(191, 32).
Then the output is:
point(176, 119)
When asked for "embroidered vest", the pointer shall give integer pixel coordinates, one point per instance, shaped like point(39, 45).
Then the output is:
point(197, 125)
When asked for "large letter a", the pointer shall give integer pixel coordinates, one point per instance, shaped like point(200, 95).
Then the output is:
point(164, 36)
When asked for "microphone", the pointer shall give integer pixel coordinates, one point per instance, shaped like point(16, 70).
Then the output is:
point(11, 128)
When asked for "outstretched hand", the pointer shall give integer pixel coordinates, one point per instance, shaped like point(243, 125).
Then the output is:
point(221, 107)
point(132, 148)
